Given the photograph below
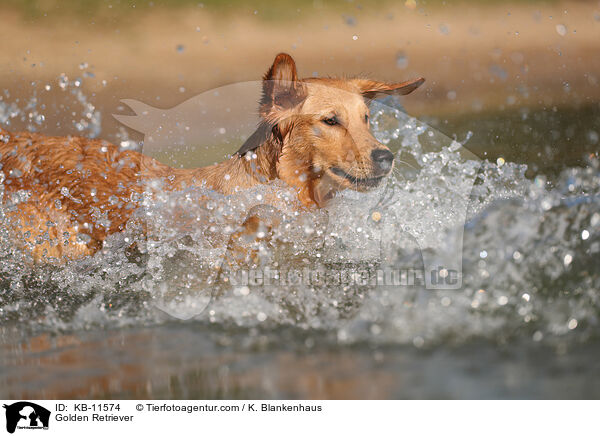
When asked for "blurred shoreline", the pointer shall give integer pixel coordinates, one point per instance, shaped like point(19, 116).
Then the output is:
point(475, 57)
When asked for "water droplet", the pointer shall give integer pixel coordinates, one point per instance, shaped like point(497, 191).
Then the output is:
point(63, 81)
point(500, 161)
point(572, 324)
point(568, 259)
point(418, 341)
point(350, 20)
point(180, 48)
point(375, 329)
point(540, 181)
point(561, 29)
point(585, 234)
point(83, 238)
point(546, 204)
point(354, 37)
point(126, 144)
point(499, 72)
point(401, 60)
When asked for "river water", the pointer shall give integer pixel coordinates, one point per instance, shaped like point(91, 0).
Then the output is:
point(158, 321)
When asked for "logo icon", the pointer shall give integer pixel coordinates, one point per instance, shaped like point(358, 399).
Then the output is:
point(26, 415)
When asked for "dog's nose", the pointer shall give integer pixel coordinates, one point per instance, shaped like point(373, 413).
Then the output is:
point(383, 158)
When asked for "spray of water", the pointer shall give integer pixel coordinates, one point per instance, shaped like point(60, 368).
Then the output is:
point(529, 258)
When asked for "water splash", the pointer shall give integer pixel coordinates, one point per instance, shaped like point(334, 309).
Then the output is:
point(32, 113)
point(529, 256)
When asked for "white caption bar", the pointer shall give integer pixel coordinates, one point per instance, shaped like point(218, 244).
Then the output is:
point(299, 417)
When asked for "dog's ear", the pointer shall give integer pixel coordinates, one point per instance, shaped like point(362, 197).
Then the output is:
point(370, 88)
point(281, 92)
point(281, 88)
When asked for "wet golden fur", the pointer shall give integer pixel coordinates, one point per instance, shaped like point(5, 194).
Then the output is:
point(65, 195)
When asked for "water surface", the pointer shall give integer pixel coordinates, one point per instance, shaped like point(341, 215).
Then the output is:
point(156, 321)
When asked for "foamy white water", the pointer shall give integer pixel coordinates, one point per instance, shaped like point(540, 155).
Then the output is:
point(529, 256)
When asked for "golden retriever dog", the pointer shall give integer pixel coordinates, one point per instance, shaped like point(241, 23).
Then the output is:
point(65, 195)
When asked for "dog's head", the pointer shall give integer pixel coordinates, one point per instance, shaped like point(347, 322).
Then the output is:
point(321, 129)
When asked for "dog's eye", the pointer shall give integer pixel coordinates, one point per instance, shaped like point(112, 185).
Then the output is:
point(330, 121)
point(366, 118)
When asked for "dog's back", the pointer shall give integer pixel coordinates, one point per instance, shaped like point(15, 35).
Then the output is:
point(95, 183)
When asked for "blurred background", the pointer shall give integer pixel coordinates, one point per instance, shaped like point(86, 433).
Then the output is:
point(523, 76)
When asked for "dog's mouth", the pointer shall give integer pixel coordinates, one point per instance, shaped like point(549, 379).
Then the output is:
point(367, 182)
